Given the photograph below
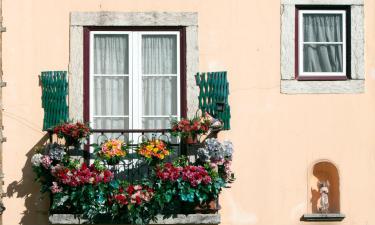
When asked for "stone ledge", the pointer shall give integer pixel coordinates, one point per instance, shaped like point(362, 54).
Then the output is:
point(177, 219)
point(323, 217)
point(322, 87)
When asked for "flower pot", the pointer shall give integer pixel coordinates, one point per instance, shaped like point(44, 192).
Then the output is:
point(113, 161)
point(208, 207)
point(191, 139)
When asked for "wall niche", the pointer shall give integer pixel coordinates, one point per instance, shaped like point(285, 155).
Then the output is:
point(323, 193)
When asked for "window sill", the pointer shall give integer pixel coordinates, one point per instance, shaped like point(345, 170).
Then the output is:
point(322, 87)
point(178, 219)
point(322, 217)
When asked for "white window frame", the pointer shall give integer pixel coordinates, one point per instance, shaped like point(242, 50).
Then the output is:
point(301, 43)
point(134, 77)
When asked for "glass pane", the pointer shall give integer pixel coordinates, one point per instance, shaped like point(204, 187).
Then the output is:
point(322, 27)
point(111, 54)
point(159, 54)
point(159, 96)
point(111, 96)
point(110, 123)
point(322, 58)
point(156, 123)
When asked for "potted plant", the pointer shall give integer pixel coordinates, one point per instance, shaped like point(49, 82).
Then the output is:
point(111, 151)
point(154, 151)
point(73, 133)
point(197, 187)
point(189, 129)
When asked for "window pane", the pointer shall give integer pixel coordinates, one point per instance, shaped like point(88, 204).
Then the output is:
point(322, 27)
point(322, 58)
point(111, 96)
point(156, 123)
point(111, 54)
point(110, 123)
point(159, 54)
point(159, 95)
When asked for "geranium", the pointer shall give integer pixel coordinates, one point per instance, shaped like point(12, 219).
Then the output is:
point(112, 151)
point(154, 149)
point(46, 161)
point(84, 175)
point(194, 175)
point(36, 160)
point(133, 195)
point(73, 133)
point(55, 188)
point(190, 127)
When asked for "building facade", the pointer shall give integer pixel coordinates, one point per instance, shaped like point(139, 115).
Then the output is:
point(302, 99)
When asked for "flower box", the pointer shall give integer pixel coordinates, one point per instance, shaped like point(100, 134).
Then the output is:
point(176, 219)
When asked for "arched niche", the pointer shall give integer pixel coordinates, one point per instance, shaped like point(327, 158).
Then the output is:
point(324, 171)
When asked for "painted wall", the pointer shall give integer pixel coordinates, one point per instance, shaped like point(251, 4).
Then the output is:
point(277, 137)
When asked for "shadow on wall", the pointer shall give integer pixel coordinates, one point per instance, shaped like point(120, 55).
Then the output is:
point(36, 204)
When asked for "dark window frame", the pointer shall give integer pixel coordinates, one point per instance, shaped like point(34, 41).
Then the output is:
point(348, 43)
point(86, 62)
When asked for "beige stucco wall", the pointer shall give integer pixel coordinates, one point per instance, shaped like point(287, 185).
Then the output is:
point(277, 137)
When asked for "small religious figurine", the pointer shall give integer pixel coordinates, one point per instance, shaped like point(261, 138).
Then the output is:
point(324, 190)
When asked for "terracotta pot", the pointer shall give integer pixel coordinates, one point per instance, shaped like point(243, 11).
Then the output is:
point(209, 207)
point(191, 139)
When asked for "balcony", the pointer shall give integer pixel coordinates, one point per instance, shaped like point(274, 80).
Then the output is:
point(68, 206)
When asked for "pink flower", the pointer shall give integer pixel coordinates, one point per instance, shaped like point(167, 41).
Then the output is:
point(55, 188)
point(46, 161)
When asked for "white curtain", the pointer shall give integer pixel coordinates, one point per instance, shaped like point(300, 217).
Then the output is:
point(322, 57)
point(111, 93)
point(159, 57)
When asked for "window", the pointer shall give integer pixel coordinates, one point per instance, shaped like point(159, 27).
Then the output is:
point(322, 45)
point(134, 79)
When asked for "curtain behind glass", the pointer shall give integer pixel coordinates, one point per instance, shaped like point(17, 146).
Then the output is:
point(111, 93)
point(111, 54)
point(159, 57)
point(322, 57)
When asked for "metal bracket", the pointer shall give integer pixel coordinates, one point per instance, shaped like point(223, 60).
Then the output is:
point(3, 84)
point(3, 29)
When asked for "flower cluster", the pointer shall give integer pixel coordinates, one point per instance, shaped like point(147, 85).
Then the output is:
point(169, 172)
point(191, 127)
point(219, 156)
point(72, 132)
point(157, 149)
point(55, 151)
point(216, 152)
point(133, 194)
point(80, 176)
point(112, 149)
point(194, 175)
point(55, 188)
point(39, 159)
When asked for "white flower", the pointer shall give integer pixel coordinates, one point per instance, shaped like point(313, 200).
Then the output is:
point(36, 160)
point(228, 148)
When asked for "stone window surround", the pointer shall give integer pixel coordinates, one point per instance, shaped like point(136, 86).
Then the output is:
point(78, 20)
point(289, 85)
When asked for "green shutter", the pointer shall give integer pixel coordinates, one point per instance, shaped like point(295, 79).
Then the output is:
point(54, 98)
point(213, 94)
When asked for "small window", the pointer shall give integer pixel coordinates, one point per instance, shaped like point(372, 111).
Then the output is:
point(322, 45)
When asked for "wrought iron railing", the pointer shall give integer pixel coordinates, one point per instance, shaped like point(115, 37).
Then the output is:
point(133, 167)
